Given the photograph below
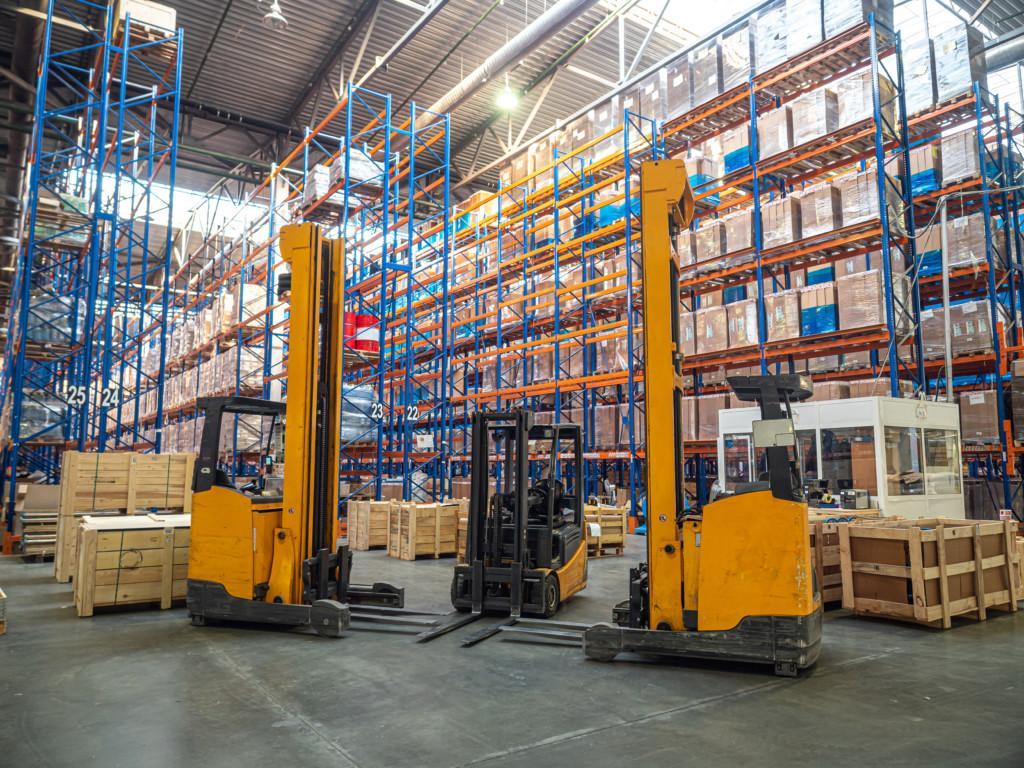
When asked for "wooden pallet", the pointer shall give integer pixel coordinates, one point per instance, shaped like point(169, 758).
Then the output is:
point(117, 483)
point(606, 529)
point(929, 570)
point(131, 560)
point(368, 524)
point(597, 551)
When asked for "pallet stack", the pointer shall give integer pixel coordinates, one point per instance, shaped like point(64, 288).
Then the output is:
point(116, 484)
point(131, 560)
point(424, 529)
point(929, 570)
point(606, 529)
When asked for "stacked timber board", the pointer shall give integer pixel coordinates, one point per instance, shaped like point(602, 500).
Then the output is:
point(368, 523)
point(38, 511)
point(131, 559)
point(606, 530)
point(116, 484)
point(424, 529)
point(929, 570)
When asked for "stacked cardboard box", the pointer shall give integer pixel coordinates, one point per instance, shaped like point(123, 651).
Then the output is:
point(820, 209)
point(653, 95)
point(959, 61)
point(770, 34)
point(687, 335)
point(708, 408)
point(775, 131)
point(690, 423)
point(742, 321)
point(815, 114)
point(737, 51)
point(918, 58)
point(925, 169)
point(960, 157)
point(818, 311)
point(970, 329)
point(678, 90)
point(782, 311)
point(830, 390)
point(878, 387)
point(706, 67)
point(855, 101)
point(709, 242)
point(845, 14)
point(736, 148)
point(861, 299)
point(712, 329)
point(979, 417)
point(965, 241)
point(604, 118)
point(859, 194)
point(803, 24)
point(739, 230)
point(780, 221)
point(686, 247)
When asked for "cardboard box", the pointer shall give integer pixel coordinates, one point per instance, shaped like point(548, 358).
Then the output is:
point(604, 118)
point(826, 364)
point(979, 417)
point(712, 329)
point(830, 390)
point(737, 52)
point(846, 14)
point(854, 264)
point(687, 333)
point(965, 241)
point(653, 95)
point(736, 148)
point(690, 422)
point(861, 299)
point(820, 209)
point(859, 195)
point(780, 222)
point(1017, 399)
point(818, 310)
point(742, 319)
point(782, 311)
point(970, 330)
point(919, 75)
point(710, 240)
point(706, 67)
point(739, 230)
point(803, 24)
point(959, 61)
point(855, 102)
point(686, 247)
point(708, 408)
point(774, 132)
point(815, 114)
point(678, 88)
point(770, 37)
point(960, 157)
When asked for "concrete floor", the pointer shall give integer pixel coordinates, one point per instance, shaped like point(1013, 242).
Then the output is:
point(145, 688)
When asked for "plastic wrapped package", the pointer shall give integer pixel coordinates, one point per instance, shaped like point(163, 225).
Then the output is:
point(770, 37)
point(604, 118)
point(49, 319)
point(736, 148)
point(687, 334)
point(41, 412)
point(606, 427)
point(774, 131)
point(970, 330)
point(803, 24)
point(861, 299)
point(678, 88)
point(815, 114)
point(709, 240)
point(979, 417)
point(846, 14)
point(708, 407)
point(613, 354)
point(820, 209)
point(959, 61)
point(859, 195)
point(742, 320)
point(965, 239)
point(960, 157)
point(686, 247)
point(739, 230)
point(856, 360)
point(855, 102)
point(702, 171)
point(541, 157)
point(737, 52)
point(818, 310)
point(653, 95)
point(317, 185)
point(780, 222)
point(919, 75)
point(782, 312)
point(357, 422)
point(513, 308)
point(690, 423)
point(712, 329)
point(830, 390)
point(706, 67)
point(542, 305)
point(925, 169)
point(825, 364)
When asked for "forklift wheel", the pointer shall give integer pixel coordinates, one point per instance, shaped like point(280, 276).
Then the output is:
point(198, 620)
point(462, 608)
point(552, 596)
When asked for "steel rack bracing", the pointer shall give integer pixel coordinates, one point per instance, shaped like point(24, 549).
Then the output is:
point(96, 232)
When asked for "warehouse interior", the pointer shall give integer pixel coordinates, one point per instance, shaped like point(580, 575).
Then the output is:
point(577, 382)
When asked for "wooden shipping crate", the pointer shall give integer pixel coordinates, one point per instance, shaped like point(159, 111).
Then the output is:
point(930, 570)
point(131, 560)
point(462, 539)
point(824, 529)
point(116, 484)
point(611, 522)
point(424, 529)
point(368, 524)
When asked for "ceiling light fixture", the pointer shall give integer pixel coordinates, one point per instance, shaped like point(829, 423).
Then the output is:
point(507, 98)
point(274, 18)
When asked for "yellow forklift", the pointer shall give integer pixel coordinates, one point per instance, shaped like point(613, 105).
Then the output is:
point(526, 548)
point(278, 559)
point(733, 581)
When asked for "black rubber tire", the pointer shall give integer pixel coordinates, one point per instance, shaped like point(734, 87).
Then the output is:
point(460, 609)
point(197, 620)
point(552, 595)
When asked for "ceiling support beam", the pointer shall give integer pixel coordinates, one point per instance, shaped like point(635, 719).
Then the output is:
point(647, 39)
point(536, 108)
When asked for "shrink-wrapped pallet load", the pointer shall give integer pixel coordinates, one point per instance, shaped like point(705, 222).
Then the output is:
point(815, 114)
point(706, 68)
point(803, 24)
point(780, 222)
point(709, 240)
point(820, 209)
point(782, 312)
point(959, 61)
point(774, 131)
point(712, 329)
point(739, 230)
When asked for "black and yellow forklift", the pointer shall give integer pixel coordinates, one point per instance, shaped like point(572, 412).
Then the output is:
point(278, 559)
point(732, 581)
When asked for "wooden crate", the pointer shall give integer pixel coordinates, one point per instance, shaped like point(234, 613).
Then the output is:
point(824, 529)
point(3, 613)
point(131, 560)
point(424, 529)
point(930, 570)
point(116, 484)
point(368, 523)
point(461, 539)
point(612, 525)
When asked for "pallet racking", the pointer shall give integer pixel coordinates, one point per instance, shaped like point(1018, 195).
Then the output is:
point(98, 217)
